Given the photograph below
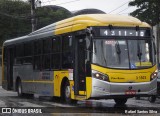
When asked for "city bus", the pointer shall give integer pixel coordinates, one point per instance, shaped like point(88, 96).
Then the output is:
point(92, 56)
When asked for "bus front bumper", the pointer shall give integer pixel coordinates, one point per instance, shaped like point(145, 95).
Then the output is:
point(102, 89)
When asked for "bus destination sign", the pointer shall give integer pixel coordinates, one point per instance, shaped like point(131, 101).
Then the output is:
point(124, 32)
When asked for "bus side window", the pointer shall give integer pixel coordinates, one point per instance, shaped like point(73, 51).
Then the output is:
point(56, 53)
point(19, 53)
point(38, 55)
point(47, 45)
point(28, 52)
point(5, 55)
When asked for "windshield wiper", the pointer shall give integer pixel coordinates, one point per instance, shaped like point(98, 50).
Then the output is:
point(118, 50)
point(139, 52)
point(103, 53)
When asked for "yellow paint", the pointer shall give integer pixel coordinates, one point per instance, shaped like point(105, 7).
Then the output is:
point(78, 27)
point(32, 81)
point(58, 81)
point(143, 64)
point(115, 75)
point(88, 86)
point(77, 97)
point(85, 94)
point(83, 21)
point(82, 92)
point(72, 91)
point(130, 77)
point(64, 23)
point(63, 30)
point(58, 77)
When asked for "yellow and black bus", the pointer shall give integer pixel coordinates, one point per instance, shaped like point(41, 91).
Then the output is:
point(97, 56)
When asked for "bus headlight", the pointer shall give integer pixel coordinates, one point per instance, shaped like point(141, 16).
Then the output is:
point(154, 75)
point(100, 76)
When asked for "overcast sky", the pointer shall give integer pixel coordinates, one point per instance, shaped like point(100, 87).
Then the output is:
point(107, 6)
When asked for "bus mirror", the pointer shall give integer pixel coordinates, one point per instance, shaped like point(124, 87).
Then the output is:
point(70, 40)
point(154, 47)
point(88, 43)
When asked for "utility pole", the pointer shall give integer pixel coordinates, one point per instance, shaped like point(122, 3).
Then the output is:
point(158, 42)
point(33, 21)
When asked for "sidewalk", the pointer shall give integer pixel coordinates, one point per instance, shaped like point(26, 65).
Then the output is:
point(4, 93)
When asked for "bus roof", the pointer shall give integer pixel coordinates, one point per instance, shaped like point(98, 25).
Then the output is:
point(78, 23)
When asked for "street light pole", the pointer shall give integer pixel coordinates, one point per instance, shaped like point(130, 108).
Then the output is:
point(33, 15)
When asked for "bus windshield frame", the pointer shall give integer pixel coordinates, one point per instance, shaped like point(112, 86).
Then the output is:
point(123, 52)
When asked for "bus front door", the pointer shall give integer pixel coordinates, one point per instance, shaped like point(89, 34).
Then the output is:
point(79, 67)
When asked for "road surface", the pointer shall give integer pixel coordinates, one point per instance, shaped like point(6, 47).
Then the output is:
point(92, 107)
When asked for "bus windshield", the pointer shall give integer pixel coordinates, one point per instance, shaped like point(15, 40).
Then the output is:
point(123, 53)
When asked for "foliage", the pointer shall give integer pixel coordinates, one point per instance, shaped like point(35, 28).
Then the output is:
point(13, 22)
point(47, 15)
point(148, 10)
point(15, 18)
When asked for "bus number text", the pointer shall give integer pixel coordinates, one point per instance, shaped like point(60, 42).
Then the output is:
point(140, 77)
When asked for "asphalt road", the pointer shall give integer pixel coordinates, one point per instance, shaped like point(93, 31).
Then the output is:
point(88, 107)
point(92, 107)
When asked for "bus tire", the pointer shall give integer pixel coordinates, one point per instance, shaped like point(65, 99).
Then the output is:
point(137, 97)
point(152, 98)
point(19, 89)
point(67, 92)
point(121, 101)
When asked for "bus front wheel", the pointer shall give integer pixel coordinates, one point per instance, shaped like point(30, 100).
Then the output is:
point(152, 98)
point(67, 93)
point(121, 101)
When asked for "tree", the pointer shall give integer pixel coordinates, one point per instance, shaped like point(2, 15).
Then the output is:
point(50, 14)
point(148, 10)
point(13, 22)
point(15, 18)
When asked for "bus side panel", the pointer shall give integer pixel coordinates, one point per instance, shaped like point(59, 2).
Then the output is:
point(26, 75)
point(39, 82)
point(58, 78)
point(43, 82)
point(88, 86)
point(44, 88)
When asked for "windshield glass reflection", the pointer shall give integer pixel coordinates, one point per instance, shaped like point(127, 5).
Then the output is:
point(126, 54)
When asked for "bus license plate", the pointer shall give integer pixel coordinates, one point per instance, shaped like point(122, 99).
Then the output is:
point(130, 92)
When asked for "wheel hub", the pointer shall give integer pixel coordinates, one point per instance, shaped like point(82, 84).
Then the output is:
point(67, 92)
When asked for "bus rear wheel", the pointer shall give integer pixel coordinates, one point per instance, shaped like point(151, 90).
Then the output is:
point(121, 101)
point(19, 89)
point(20, 93)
